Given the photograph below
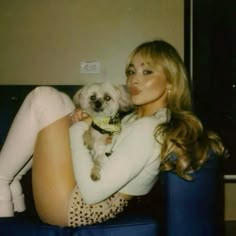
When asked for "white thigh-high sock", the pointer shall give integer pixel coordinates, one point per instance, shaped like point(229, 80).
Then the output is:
point(18, 199)
point(42, 106)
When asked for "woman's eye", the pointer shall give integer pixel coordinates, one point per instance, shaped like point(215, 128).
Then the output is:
point(147, 72)
point(129, 72)
point(107, 98)
point(93, 97)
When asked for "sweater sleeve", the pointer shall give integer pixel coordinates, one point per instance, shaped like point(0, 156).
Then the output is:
point(131, 153)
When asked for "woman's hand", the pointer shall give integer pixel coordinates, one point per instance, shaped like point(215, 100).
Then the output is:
point(80, 115)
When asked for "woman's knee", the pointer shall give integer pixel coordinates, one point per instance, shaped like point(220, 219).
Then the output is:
point(49, 104)
point(49, 96)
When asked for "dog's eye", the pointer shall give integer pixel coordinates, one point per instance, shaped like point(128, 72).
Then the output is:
point(107, 98)
point(93, 97)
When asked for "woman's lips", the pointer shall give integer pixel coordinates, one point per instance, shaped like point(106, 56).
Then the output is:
point(134, 91)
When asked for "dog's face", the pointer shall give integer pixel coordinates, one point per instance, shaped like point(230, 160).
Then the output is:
point(102, 99)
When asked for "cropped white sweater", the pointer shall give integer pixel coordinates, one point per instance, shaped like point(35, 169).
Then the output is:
point(132, 167)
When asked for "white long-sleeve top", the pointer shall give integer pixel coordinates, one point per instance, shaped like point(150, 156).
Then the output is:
point(132, 167)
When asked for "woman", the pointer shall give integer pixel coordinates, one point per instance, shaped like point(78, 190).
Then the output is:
point(161, 126)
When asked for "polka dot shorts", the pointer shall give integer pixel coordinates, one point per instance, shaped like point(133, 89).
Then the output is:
point(80, 213)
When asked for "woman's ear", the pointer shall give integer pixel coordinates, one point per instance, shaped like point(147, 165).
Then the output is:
point(169, 88)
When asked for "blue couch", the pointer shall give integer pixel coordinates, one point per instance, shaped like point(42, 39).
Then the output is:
point(175, 207)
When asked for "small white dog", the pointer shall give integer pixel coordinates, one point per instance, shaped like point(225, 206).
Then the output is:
point(103, 102)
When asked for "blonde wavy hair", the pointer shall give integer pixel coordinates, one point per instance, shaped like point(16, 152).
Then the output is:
point(186, 143)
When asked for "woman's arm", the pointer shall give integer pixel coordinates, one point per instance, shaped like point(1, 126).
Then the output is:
point(129, 157)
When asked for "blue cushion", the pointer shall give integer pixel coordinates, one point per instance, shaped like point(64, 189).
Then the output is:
point(126, 225)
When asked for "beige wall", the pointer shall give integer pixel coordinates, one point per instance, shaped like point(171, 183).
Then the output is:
point(230, 201)
point(44, 41)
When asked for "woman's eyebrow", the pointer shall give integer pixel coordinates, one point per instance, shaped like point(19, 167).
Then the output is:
point(130, 65)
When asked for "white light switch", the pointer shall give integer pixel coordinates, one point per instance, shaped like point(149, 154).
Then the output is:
point(90, 67)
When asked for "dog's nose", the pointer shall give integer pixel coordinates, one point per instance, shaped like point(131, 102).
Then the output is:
point(98, 104)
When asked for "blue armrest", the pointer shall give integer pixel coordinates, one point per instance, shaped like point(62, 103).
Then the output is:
point(193, 207)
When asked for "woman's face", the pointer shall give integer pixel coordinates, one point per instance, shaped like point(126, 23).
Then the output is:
point(146, 84)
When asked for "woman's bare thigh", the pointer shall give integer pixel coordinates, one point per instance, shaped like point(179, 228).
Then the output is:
point(53, 179)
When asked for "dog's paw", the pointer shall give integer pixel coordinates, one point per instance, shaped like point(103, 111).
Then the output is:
point(95, 177)
point(95, 174)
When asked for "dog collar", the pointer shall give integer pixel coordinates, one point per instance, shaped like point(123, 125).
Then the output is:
point(107, 125)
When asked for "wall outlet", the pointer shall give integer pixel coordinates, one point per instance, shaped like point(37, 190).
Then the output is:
point(90, 67)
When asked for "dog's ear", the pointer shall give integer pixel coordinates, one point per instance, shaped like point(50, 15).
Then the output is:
point(124, 99)
point(76, 98)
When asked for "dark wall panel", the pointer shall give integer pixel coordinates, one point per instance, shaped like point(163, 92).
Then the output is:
point(214, 69)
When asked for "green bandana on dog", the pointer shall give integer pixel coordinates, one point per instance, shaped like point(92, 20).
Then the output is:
point(107, 125)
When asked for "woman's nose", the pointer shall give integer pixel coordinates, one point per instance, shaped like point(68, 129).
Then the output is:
point(134, 79)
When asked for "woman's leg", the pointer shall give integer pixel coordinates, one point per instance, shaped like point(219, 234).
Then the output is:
point(16, 151)
point(53, 179)
point(18, 199)
point(42, 106)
